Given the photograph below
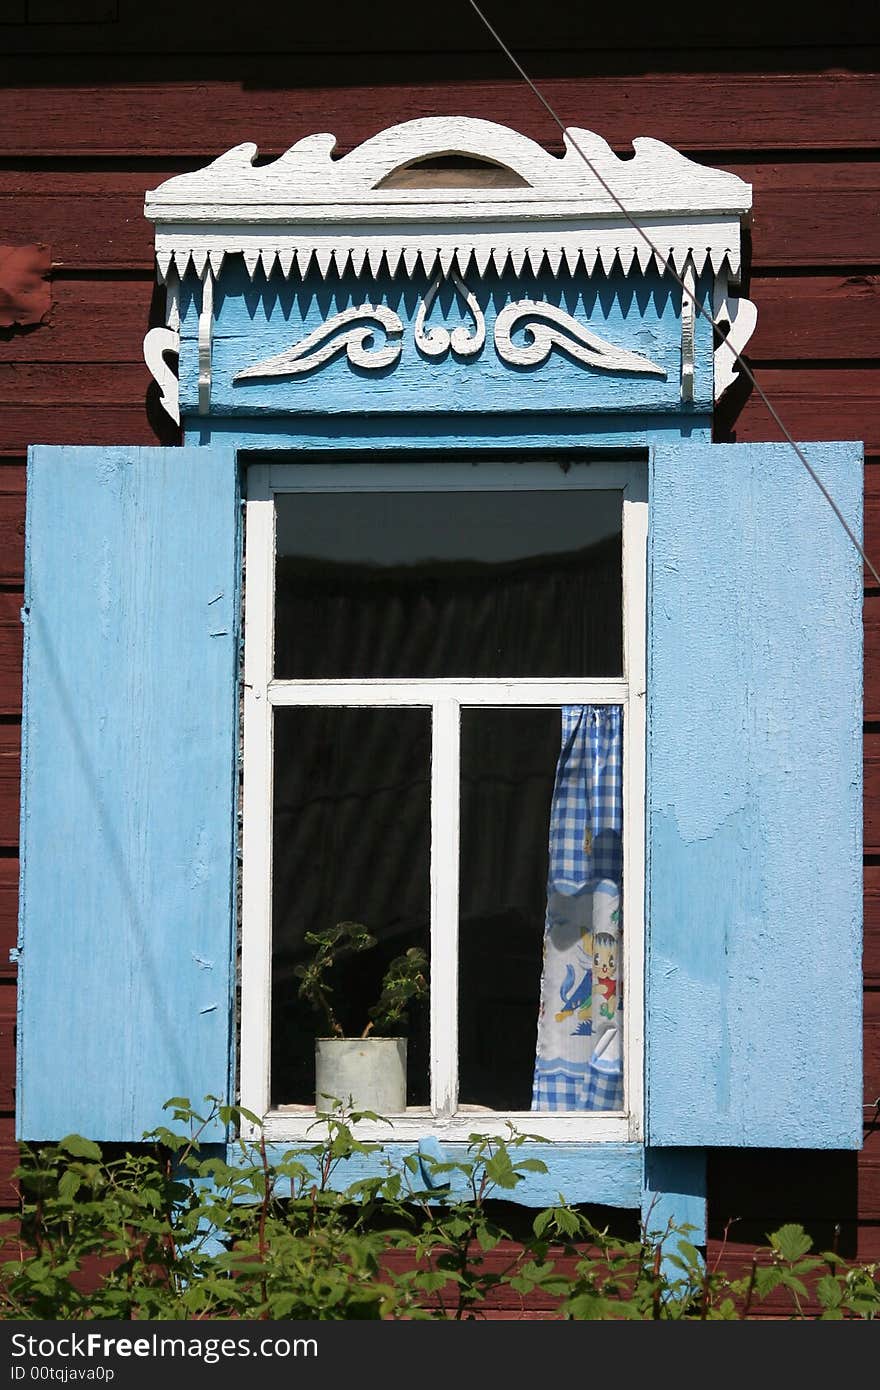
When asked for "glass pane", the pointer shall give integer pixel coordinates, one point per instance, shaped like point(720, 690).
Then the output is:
point(457, 584)
point(540, 995)
point(508, 759)
point(350, 842)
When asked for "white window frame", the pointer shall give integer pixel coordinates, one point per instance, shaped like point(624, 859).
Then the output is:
point(445, 698)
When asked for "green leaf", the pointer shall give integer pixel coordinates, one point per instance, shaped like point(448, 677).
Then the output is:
point(690, 1253)
point(586, 1307)
point(69, 1185)
point(766, 1280)
point(433, 1279)
point(456, 1227)
point(791, 1242)
point(532, 1165)
point(829, 1291)
point(79, 1147)
point(500, 1170)
point(542, 1221)
point(791, 1281)
point(488, 1237)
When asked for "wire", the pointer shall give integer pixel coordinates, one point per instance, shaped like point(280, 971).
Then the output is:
point(670, 269)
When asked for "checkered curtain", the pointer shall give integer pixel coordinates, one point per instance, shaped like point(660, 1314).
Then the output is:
point(579, 1054)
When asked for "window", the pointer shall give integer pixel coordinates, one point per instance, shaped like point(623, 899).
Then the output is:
point(418, 636)
point(753, 737)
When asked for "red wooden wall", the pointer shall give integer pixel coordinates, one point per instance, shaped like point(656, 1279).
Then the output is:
point(94, 112)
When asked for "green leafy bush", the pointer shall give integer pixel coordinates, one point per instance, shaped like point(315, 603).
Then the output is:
point(171, 1230)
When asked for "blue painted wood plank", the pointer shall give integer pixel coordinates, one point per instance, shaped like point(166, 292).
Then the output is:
point(753, 983)
point(448, 436)
point(128, 846)
point(605, 1174)
point(675, 1196)
point(254, 321)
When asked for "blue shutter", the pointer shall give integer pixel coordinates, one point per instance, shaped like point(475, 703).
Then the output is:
point(128, 786)
point(753, 985)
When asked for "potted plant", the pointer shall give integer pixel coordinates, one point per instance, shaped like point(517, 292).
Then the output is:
point(366, 1071)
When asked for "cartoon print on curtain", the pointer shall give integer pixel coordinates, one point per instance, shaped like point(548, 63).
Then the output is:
point(578, 1061)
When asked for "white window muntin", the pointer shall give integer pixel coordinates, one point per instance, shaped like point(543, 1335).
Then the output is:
point(445, 698)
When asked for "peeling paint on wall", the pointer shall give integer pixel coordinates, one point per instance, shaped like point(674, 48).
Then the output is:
point(25, 295)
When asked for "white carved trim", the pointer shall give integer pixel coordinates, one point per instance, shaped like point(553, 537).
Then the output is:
point(688, 331)
point(563, 332)
point(308, 181)
point(206, 339)
point(308, 208)
point(578, 244)
point(172, 300)
point(327, 342)
point(157, 342)
point(436, 341)
point(742, 316)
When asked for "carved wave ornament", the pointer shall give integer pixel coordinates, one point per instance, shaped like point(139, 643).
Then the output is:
point(436, 341)
point(328, 341)
point(545, 327)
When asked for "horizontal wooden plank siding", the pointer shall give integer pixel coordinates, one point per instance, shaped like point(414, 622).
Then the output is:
point(872, 649)
point(871, 745)
point(91, 320)
point(703, 111)
point(10, 773)
point(872, 1048)
point(7, 1045)
point(8, 915)
point(81, 142)
point(815, 317)
point(222, 27)
point(109, 423)
point(9, 1157)
point(872, 926)
point(93, 220)
point(10, 652)
point(813, 212)
point(104, 383)
point(839, 402)
point(12, 493)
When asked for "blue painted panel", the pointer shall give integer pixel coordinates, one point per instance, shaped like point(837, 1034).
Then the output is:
point(446, 435)
point(256, 321)
point(606, 1174)
point(754, 985)
point(675, 1195)
point(128, 844)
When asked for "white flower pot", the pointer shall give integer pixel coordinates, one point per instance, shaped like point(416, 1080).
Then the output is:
point(362, 1073)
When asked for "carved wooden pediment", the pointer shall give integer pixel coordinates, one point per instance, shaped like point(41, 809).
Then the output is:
point(308, 212)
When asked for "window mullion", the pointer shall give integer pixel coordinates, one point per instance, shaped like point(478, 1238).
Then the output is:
point(445, 758)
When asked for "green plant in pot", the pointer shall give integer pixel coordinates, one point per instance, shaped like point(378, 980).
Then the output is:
point(367, 1071)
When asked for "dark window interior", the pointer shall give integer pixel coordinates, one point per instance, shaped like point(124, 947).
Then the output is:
point(409, 585)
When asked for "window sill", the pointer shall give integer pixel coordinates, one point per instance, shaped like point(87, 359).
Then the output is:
point(295, 1123)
